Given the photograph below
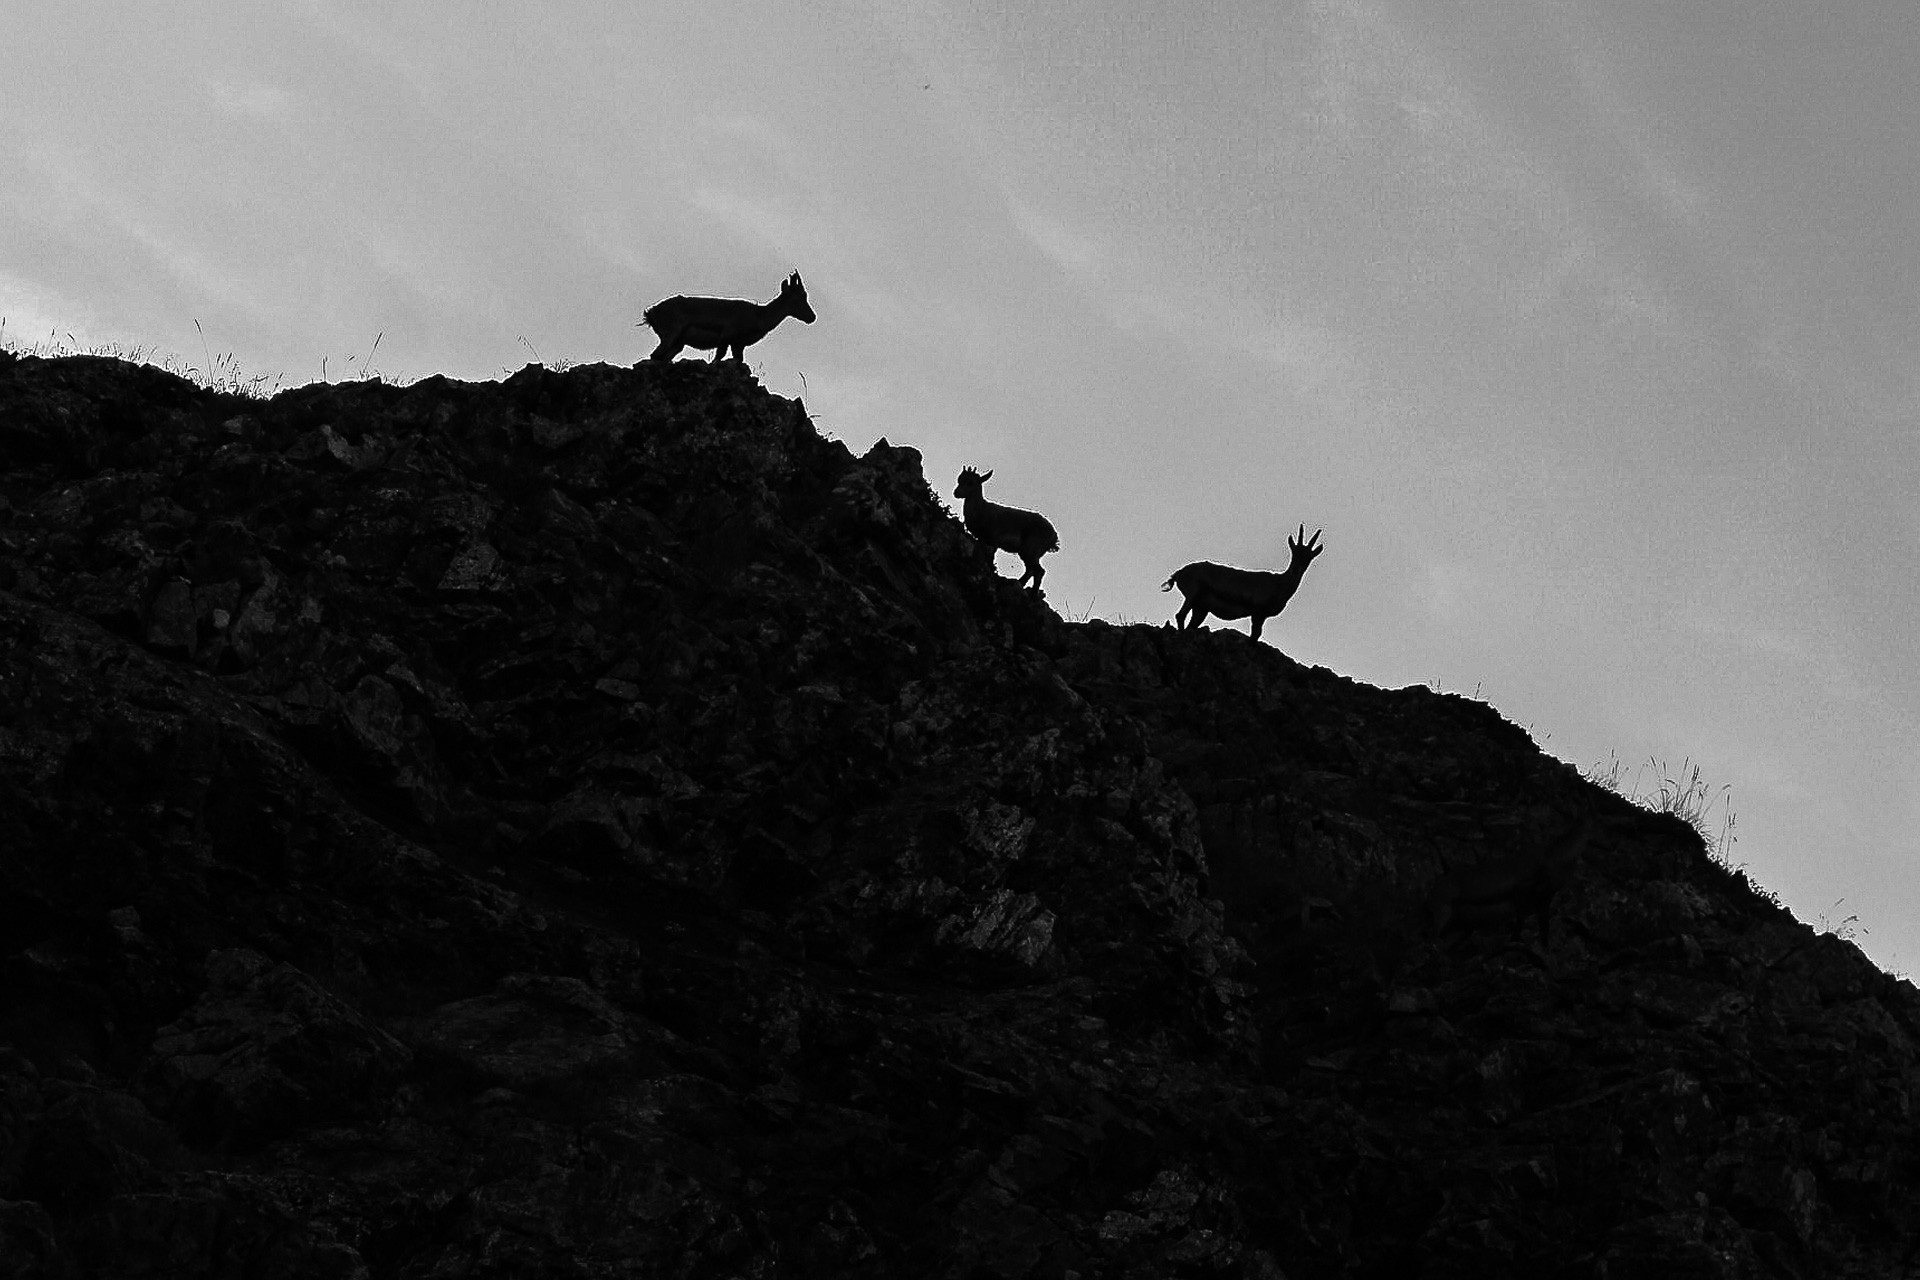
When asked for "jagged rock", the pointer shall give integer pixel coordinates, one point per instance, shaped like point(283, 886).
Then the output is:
point(264, 1050)
point(593, 825)
point(538, 1034)
point(173, 621)
point(28, 1247)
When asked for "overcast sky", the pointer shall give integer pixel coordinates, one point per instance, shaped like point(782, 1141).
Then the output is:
point(1587, 331)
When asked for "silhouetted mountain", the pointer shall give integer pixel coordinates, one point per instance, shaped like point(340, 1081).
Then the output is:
point(591, 825)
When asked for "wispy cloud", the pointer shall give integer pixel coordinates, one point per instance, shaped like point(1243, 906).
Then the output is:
point(1375, 86)
point(1445, 589)
point(1073, 249)
point(379, 42)
point(772, 189)
point(1812, 660)
point(1686, 205)
point(1320, 365)
point(75, 187)
point(1674, 197)
point(30, 312)
point(753, 177)
point(247, 99)
point(1317, 364)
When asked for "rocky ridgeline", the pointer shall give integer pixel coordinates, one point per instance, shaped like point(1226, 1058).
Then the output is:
point(592, 825)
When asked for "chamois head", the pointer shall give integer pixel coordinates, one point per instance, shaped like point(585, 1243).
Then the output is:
point(970, 480)
point(793, 299)
point(1304, 549)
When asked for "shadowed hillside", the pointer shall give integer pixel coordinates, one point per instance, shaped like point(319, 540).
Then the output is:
point(591, 825)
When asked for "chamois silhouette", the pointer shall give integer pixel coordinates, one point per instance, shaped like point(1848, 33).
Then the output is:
point(1231, 594)
point(1025, 533)
point(722, 324)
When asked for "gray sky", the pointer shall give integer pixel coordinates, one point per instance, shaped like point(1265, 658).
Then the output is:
point(1588, 331)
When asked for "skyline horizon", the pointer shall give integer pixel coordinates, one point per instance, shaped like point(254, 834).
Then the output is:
point(1681, 791)
point(1587, 332)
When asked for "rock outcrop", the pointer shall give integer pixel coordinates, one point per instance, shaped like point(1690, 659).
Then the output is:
point(592, 825)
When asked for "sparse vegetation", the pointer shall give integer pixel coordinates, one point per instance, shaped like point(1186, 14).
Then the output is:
point(560, 365)
point(1847, 928)
point(366, 365)
point(1433, 683)
point(219, 373)
point(366, 373)
point(1682, 793)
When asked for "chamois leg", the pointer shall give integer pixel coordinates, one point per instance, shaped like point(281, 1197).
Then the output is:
point(1258, 622)
point(668, 349)
point(1034, 571)
point(1190, 617)
point(720, 353)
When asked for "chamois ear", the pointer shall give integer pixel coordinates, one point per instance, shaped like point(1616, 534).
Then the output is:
point(986, 477)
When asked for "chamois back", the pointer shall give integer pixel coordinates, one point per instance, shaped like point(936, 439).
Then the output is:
point(722, 324)
point(1229, 593)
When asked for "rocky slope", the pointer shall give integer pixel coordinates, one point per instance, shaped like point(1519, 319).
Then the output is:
point(592, 825)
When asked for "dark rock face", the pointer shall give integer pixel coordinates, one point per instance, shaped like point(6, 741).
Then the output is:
point(591, 825)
